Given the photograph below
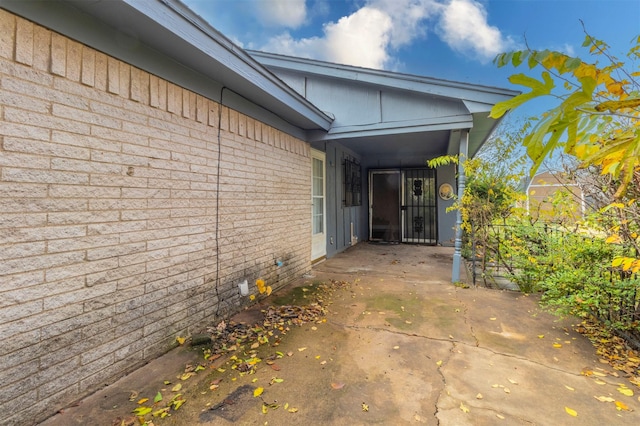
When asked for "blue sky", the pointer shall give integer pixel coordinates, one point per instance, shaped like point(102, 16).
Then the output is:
point(448, 39)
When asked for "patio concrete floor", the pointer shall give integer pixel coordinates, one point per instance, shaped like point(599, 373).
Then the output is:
point(402, 341)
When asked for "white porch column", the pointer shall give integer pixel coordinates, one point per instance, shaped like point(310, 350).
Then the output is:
point(457, 254)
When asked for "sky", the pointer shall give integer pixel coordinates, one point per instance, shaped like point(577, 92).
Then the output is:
point(449, 39)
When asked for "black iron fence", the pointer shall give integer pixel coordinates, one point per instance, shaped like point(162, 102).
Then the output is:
point(569, 268)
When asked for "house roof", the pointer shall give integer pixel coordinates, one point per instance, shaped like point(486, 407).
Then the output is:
point(166, 38)
point(378, 112)
point(370, 111)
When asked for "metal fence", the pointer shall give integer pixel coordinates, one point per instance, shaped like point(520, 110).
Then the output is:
point(490, 255)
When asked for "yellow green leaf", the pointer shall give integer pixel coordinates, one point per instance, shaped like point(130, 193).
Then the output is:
point(265, 408)
point(258, 391)
point(292, 410)
point(158, 397)
point(625, 391)
point(161, 412)
point(142, 411)
point(571, 412)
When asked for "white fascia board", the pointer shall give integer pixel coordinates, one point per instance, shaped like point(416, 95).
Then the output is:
point(408, 82)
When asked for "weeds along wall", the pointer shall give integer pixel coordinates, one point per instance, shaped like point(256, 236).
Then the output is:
point(123, 222)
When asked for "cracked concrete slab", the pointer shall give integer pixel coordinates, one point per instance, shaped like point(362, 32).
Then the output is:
point(409, 346)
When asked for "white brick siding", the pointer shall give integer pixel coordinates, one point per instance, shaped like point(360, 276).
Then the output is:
point(108, 206)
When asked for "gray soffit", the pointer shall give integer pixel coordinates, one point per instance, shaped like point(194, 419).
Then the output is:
point(166, 38)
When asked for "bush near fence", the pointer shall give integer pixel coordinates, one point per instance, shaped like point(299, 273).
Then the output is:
point(570, 268)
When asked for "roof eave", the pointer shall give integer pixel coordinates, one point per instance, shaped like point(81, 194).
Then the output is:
point(474, 93)
point(173, 30)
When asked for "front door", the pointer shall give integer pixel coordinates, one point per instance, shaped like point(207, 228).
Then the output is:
point(384, 205)
point(318, 206)
point(402, 206)
point(419, 206)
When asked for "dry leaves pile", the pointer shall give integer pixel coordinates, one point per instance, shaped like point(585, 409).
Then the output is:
point(613, 351)
point(228, 337)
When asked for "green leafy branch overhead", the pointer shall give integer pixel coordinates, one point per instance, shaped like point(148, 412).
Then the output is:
point(597, 116)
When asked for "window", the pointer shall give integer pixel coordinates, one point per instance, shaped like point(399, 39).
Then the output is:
point(352, 183)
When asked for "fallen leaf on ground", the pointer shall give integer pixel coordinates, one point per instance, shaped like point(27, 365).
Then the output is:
point(464, 408)
point(493, 318)
point(622, 406)
point(302, 349)
point(337, 385)
point(625, 391)
point(571, 412)
point(143, 400)
point(396, 347)
point(479, 396)
point(513, 382)
point(569, 387)
point(500, 416)
point(604, 398)
point(439, 363)
point(540, 336)
point(142, 411)
point(365, 407)
point(506, 390)
point(258, 392)
point(157, 398)
point(557, 345)
point(180, 340)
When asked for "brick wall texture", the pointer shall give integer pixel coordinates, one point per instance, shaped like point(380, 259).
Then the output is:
point(123, 222)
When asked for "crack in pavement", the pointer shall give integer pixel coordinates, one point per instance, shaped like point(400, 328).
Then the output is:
point(453, 341)
point(466, 319)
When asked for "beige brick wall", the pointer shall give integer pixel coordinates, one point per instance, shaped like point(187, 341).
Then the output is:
point(109, 196)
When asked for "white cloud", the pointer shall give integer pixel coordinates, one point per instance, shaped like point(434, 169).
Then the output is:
point(282, 13)
point(464, 27)
point(370, 36)
point(360, 39)
point(408, 18)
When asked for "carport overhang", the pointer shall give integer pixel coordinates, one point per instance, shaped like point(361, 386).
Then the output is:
point(421, 135)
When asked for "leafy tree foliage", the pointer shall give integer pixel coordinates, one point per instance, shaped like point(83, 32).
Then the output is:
point(596, 119)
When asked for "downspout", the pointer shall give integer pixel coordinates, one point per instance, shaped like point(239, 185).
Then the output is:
point(457, 254)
